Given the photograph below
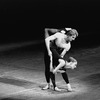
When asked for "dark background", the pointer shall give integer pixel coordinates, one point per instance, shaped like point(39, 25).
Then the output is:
point(25, 20)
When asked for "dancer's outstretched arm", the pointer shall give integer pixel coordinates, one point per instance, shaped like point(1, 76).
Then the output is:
point(51, 30)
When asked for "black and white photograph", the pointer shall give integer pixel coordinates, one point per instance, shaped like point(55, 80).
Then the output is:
point(49, 50)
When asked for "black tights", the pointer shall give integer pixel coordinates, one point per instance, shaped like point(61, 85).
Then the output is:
point(64, 75)
point(49, 75)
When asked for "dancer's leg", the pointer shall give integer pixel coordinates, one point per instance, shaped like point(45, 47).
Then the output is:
point(47, 69)
point(52, 76)
point(65, 77)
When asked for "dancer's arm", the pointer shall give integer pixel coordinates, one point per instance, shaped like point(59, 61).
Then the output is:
point(47, 41)
point(52, 30)
point(51, 64)
point(65, 49)
point(63, 52)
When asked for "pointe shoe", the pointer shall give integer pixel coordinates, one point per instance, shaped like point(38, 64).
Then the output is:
point(57, 89)
point(46, 87)
point(69, 89)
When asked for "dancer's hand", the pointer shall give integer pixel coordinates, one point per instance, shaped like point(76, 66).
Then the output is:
point(51, 69)
point(68, 29)
point(54, 72)
point(50, 53)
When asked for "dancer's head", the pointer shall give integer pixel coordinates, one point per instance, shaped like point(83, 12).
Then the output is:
point(72, 63)
point(72, 34)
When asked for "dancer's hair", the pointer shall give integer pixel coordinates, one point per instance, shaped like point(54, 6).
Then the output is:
point(71, 59)
point(69, 32)
point(72, 32)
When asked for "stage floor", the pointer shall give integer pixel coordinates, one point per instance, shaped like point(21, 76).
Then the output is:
point(22, 75)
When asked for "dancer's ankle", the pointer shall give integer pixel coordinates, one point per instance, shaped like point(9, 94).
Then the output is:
point(47, 86)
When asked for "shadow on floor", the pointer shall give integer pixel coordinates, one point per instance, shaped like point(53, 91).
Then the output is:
point(11, 99)
point(18, 82)
point(93, 79)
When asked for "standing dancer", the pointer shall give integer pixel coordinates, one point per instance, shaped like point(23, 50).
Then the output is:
point(48, 74)
point(60, 42)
